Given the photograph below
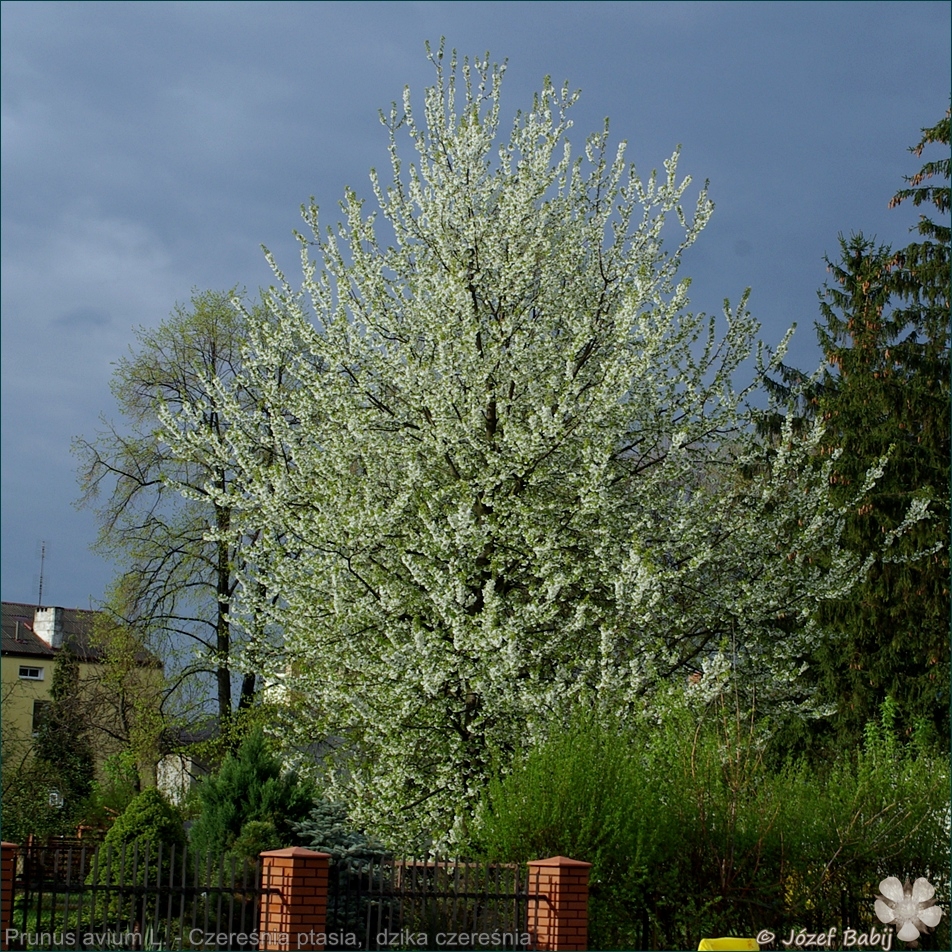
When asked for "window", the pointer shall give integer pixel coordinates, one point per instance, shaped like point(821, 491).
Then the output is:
point(41, 711)
point(31, 674)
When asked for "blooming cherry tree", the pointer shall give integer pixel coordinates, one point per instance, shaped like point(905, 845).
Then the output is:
point(500, 474)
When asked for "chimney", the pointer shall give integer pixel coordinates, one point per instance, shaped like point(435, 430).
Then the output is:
point(48, 625)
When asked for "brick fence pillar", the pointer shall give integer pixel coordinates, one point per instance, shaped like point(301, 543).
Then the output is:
point(8, 867)
point(558, 921)
point(294, 899)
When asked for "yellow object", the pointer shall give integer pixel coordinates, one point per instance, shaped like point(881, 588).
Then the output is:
point(728, 944)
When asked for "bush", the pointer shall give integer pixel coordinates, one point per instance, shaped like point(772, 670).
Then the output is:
point(690, 835)
point(114, 792)
point(249, 788)
point(147, 838)
point(149, 818)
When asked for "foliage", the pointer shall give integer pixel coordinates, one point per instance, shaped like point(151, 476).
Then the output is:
point(885, 333)
point(27, 807)
point(328, 829)
point(249, 788)
point(149, 817)
point(145, 844)
point(690, 834)
point(63, 744)
point(127, 700)
point(175, 584)
point(113, 791)
point(496, 477)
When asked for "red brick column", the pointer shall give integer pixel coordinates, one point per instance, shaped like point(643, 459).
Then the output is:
point(558, 921)
point(8, 866)
point(294, 903)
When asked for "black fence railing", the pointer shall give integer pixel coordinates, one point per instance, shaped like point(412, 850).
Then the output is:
point(427, 904)
point(161, 897)
point(148, 897)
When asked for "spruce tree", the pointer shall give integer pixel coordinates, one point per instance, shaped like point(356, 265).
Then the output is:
point(885, 334)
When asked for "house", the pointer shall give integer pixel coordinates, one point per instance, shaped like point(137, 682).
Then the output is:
point(33, 639)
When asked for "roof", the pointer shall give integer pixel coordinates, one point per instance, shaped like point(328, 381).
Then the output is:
point(19, 637)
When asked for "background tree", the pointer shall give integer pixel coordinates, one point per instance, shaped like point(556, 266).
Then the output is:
point(63, 743)
point(177, 583)
point(885, 333)
point(127, 702)
point(496, 481)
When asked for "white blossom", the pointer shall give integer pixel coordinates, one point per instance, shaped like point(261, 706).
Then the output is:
point(494, 469)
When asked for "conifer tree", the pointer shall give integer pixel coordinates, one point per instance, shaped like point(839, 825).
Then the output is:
point(885, 333)
point(250, 788)
point(63, 743)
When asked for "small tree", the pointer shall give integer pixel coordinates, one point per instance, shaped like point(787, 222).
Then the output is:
point(63, 743)
point(250, 798)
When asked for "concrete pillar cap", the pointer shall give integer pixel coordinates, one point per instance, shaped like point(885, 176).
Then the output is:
point(560, 861)
point(295, 852)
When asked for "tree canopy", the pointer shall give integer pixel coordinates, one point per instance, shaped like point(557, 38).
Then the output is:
point(157, 507)
point(491, 472)
point(885, 334)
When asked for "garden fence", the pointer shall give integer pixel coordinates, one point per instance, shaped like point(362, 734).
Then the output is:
point(164, 897)
point(134, 897)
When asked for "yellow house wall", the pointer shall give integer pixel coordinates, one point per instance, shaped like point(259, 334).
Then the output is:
point(16, 711)
point(18, 695)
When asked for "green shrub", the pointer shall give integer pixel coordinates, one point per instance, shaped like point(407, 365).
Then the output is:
point(249, 787)
point(138, 848)
point(114, 792)
point(691, 835)
point(149, 818)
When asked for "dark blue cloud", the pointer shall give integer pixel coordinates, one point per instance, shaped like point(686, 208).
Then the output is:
point(150, 148)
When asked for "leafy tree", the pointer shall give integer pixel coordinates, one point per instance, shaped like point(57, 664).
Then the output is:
point(251, 803)
point(176, 585)
point(126, 696)
point(885, 332)
point(497, 479)
point(63, 744)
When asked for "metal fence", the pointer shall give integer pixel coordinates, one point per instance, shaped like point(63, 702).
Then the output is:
point(160, 897)
point(148, 897)
point(427, 904)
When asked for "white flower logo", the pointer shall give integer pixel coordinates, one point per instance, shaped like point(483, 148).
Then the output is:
point(911, 908)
